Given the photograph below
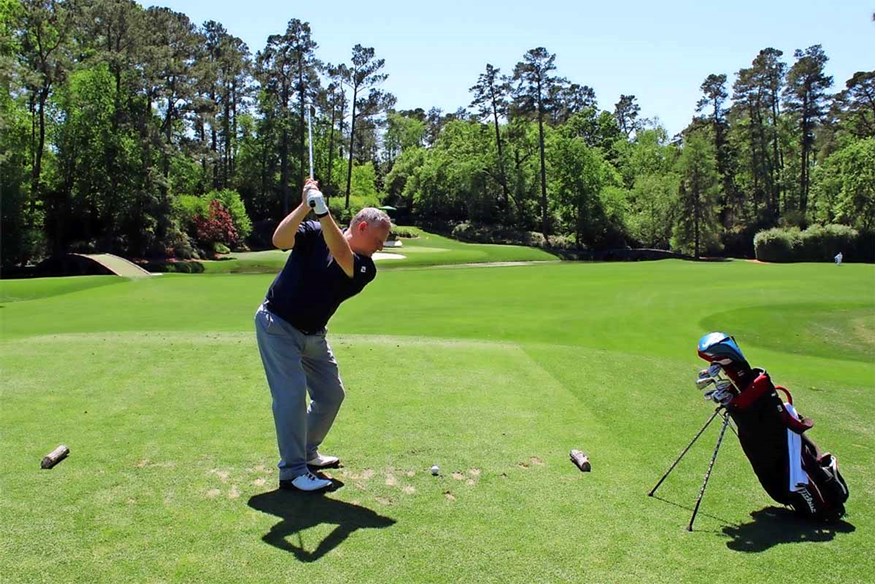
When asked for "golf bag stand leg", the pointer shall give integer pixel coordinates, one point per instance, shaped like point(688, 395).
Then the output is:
point(709, 471)
point(683, 452)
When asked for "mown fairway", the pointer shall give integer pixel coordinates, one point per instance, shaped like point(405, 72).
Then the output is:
point(494, 373)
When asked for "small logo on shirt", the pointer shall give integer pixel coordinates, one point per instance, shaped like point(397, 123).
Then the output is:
point(363, 269)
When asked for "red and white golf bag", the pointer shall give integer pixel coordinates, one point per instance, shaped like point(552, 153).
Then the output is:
point(789, 466)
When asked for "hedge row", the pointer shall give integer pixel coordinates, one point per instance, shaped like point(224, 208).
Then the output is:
point(818, 243)
point(173, 267)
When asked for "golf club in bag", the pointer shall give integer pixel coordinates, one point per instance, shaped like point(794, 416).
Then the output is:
point(789, 466)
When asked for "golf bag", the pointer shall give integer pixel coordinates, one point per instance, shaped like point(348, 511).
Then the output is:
point(789, 466)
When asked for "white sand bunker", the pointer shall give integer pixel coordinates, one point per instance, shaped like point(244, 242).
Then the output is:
point(380, 255)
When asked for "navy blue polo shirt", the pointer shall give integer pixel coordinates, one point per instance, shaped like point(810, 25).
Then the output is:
point(311, 286)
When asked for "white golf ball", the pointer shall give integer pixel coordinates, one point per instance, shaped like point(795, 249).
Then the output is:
point(434, 469)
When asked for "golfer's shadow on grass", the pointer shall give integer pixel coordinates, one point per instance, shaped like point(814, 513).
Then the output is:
point(299, 511)
point(775, 525)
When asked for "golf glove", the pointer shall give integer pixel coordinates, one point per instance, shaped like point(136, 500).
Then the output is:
point(316, 201)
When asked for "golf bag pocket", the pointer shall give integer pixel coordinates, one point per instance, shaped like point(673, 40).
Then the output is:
point(831, 485)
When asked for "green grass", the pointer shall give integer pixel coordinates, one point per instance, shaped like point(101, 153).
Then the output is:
point(426, 250)
point(492, 373)
point(17, 290)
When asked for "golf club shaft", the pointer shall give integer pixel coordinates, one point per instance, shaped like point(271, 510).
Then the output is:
point(310, 141)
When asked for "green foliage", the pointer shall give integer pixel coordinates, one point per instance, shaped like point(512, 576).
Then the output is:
point(21, 235)
point(843, 186)
point(651, 204)
point(97, 171)
point(189, 208)
point(216, 227)
point(580, 176)
point(401, 182)
point(497, 234)
point(816, 244)
point(597, 129)
point(402, 232)
point(696, 226)
point(449, 182)
point(647, 167)
point(821, 243)
point(175, 267)
point(141, 104)
point(364, 184)
point(364, 194)
point(402, 132)
point(232, 202)
point(186, 173)
point(777, 244)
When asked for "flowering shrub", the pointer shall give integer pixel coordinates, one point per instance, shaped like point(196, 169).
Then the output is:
point(216, 227)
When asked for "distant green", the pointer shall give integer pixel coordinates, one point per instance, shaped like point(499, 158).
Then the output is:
point(427, 249)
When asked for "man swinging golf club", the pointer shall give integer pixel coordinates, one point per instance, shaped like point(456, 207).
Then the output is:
point(325, 267)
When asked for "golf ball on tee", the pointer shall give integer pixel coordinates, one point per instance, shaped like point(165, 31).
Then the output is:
point(434, 469)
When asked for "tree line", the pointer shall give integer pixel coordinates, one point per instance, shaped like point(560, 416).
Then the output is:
point(135, 131)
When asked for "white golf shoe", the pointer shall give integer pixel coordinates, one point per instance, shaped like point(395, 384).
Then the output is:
point(323, 461)
point(307, 482)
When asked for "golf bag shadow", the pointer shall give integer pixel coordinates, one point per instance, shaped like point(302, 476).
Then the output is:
point(789, 466)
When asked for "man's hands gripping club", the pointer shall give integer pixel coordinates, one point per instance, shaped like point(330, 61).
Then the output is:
point(315, 199)
point(311, 198)
point(337, 243)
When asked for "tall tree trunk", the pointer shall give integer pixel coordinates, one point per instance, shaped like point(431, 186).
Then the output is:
point(502, 179)
point(544, 203)
point(697, 211)
point(350, 156)
point(778, 163)
point(36, 169)
point(331, 155)
point(804, 155)
point(231, 141)
point(284, 170)
point(214, 148)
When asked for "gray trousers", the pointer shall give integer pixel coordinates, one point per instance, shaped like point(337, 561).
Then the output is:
point(296, 365)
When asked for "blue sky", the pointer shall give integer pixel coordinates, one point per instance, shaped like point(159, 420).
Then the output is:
point(658, 51)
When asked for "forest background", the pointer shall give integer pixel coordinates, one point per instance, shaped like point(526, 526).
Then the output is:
point(136, 131)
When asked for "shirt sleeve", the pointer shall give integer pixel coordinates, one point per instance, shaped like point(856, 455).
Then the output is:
point(364, 269)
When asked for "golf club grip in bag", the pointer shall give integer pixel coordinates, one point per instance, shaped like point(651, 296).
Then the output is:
point(788, 465)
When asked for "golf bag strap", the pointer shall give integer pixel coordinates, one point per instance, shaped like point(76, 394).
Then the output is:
point(794, 422)
point(798, 424)
point(763, 385)
point(787, 393)
point(753, 392)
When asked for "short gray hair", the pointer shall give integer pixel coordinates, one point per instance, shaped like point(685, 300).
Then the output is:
point(372, 217)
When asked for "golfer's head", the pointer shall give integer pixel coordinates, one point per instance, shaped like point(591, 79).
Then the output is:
point(369, 230)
